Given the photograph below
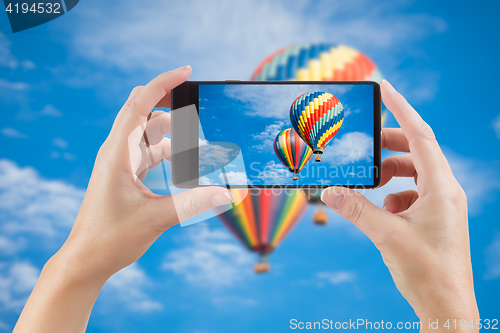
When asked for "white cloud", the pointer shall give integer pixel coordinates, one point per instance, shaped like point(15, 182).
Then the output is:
point(212, 259)
point(127, 287)
point(231, 301)
point(9, 246)
point(234, 178)
point(273, 173)
point(13, 133)
point(335, 277)
point(479, 179)
point(69, 157)
point(50, 111)
point(139, 37)
point(204, 180)
point(349, 148)
point(267, 136)
point(5, 327)
point(262, 101)
point(496, 126)
point(326, 278)
point(33, 205)
point(60, 143)
point(9, 86)
point(492, 254)
point(275, 101)
point(16, 282)
point(349, 111)
point(7, 59)
point(216, 156)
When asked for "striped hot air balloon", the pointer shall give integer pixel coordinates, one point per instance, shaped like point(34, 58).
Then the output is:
point(292, 151)
point(262, 220)
point(317, 62)
point(317, 117)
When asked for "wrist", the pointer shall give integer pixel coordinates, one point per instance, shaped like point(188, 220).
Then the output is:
point(453, 316)
point(71, 268)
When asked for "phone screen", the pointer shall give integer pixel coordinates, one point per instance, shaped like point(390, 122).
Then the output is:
point(267, 135)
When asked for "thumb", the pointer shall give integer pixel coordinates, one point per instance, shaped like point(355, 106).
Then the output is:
point(191, 203)
point(373, 221)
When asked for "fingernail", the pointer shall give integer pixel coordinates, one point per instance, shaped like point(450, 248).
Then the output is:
point(222, 199)
point(386, 83)
point(333, 198)
point(183, 68)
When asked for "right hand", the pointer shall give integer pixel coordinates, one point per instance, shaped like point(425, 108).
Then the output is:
point(422, 235)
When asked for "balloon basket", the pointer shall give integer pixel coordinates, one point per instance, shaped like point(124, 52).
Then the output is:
point(318, 158)
point(320, 217)
point(261, 267)
point(295, 178)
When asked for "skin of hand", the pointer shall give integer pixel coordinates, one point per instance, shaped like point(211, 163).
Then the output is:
point(422, 235)
point(119, 218)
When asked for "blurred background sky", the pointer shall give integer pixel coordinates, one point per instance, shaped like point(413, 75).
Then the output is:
point(62, 83)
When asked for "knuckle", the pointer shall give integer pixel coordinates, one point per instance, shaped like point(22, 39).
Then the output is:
point(136, 90)
point(354, 211)
point(426, 132)
point(458, 196)
point(193, 207)
point(393, 239)
point(131, 103)
point(454, 197)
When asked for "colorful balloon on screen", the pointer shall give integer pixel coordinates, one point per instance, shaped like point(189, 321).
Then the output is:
point(317, 62)
point(316, 117)
point(261, 222)
point(292, 151)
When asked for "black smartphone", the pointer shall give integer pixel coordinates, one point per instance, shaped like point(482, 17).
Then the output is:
point(276, 134)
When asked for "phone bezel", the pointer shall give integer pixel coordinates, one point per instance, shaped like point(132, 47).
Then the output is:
point(188, 94)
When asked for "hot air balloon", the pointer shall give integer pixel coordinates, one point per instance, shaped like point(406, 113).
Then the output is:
point(292, 151)
point(316, 117)
point(263, 219)
point(313, 196)
point(318, 62)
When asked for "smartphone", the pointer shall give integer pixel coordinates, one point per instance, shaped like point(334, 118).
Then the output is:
point(276, 134)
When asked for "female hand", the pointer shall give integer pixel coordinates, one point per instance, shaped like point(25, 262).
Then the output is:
point(119, 218)
point(422, 235)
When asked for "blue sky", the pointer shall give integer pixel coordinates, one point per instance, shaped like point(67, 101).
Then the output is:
point(61, 85)
point(251, 117)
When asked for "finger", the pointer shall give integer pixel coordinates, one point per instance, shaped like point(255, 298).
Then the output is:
point(158, 152)
point(430, 163)
point(192, 203)
point(373, 221)
point(399, 202)
point(165, 101)
point(159, 88)
point(131, 119)
point(397, 166)
point(395, 140)
point(158, 126)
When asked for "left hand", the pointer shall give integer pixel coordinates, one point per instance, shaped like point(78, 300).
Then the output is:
point(120, 218)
